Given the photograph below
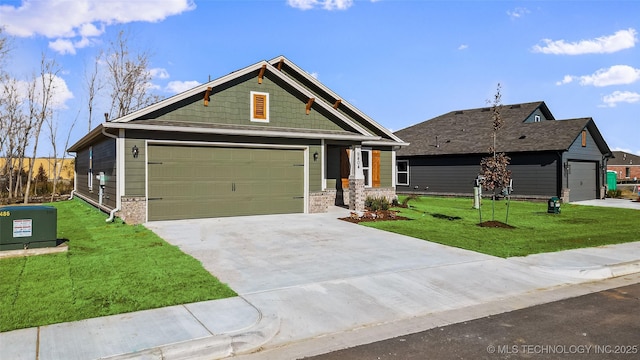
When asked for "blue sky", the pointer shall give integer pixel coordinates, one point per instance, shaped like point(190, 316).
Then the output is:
point(400, 62)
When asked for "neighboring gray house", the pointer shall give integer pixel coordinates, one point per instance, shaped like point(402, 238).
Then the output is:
point(549, 157)
point(266, 139)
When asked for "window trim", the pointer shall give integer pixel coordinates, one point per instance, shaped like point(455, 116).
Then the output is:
point(536, 118)
point(252, 108)
point(368, 181)
point(398, 172)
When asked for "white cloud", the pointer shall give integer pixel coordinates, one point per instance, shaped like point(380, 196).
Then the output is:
point(325, 4)
point(615, 75)
point(62, 46)
point(68, 20)
point(314, 75)
point(60, 92)
point(567, 79)
point(463, 47)
point(616, 97)
point(177, 87)
point(518, 12)
point(159, 73)
point(623, 39)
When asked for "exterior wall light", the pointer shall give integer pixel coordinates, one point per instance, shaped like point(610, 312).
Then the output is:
point(315, 156)
point(134, 151)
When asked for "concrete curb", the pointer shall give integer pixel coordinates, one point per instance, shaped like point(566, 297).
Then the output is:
point(594, 273)
point(212, 347)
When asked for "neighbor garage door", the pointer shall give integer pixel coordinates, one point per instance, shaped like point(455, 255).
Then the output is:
point(582, 181)
point(186, 182)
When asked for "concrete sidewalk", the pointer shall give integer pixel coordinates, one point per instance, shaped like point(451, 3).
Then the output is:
point(608, 202)
point(309, 284)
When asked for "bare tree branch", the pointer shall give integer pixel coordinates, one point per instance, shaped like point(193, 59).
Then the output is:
point(49, 70)
point(129, 78)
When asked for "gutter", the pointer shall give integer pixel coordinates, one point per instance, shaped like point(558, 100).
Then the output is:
point(241, 132)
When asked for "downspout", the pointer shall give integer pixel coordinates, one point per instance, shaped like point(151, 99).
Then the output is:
point(75, 178)
point(112, 213)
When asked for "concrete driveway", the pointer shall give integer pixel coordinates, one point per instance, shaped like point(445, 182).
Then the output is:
point(262, 253)
point(320, 275)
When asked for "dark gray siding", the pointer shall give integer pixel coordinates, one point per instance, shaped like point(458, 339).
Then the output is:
point(588, 153)
point(104, 160)
point(442, 174)
point(534, 175)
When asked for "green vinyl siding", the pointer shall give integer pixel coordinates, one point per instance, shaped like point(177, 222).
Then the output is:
point(315, 169)
point(386, 169)
point(231, 106)
point(134, 168)
point(198, 182)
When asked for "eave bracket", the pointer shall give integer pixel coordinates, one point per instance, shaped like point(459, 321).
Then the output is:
point(309, 103)
point(207, 96)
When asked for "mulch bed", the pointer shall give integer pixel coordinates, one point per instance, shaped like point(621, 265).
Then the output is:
point(370, 216)
point(496, 224)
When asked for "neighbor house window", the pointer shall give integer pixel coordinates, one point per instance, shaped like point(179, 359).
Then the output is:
point(402, 167)
point(627, 172)
point(584, 138)
point(259, 106)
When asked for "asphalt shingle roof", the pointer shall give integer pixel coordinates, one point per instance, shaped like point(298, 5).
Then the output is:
point(469, 132)
point(623, 158)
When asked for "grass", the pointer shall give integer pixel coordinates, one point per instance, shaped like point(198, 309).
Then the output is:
point(536, 231)
point(110, 268)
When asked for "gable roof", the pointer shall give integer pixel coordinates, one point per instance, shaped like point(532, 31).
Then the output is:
point(361, 127)
point(622, 158)
point(469, 132)
point(337, 102)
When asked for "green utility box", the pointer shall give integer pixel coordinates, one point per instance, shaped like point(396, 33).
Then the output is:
point(553, 206)
point(27, 227)
point(612, 180)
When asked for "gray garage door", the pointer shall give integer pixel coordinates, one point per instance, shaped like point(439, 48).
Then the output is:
point(582, 181)
point(186, 182)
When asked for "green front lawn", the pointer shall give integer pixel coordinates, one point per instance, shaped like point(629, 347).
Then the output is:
point(535, 231)
point(110, 268)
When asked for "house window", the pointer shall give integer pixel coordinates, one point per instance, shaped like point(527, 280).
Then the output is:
point(536, 118)
point(366, 166)
point(584, 138)
point(627, 172)
point(259, 106)
point(90, 172)
point(402, 167)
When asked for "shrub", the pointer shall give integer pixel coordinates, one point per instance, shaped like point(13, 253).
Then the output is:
point(614, 193)
point(376, 203)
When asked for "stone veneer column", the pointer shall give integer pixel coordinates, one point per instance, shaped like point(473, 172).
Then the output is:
point(356, 180)
point(133, 210)
point(356, 194)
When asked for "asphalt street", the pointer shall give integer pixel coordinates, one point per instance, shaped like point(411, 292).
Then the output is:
point(601, 325)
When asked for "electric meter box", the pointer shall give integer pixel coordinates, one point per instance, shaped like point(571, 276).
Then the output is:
point(28, 227)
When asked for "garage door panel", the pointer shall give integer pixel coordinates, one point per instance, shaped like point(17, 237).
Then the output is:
point(582, 180)
point(196, 182)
